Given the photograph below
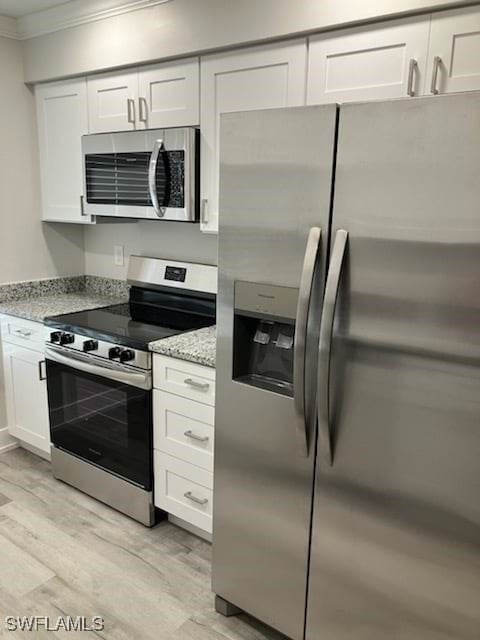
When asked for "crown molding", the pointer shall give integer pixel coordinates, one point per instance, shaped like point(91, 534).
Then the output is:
point(8, 28)
point(74, 14)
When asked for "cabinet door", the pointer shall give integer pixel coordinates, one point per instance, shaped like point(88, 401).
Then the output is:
point(454, 52)
point(381, 61)
point(258, 78)
point(26, 396)
point(62, 121)
point(169, 95)
point(112, 102)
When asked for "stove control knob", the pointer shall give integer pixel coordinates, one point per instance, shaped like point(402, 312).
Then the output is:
point(90, 345)
point(127, 355)
point(67, 338)
point(55, 337)
point(114, 353)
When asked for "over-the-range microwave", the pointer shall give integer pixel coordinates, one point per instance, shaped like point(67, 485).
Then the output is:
point(151, 174)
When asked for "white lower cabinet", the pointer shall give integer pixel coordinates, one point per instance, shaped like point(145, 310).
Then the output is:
point(183, 440)
point(25, 383)
point(184, 429)
point(184, 490)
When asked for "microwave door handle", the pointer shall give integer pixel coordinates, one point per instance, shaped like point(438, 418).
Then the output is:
point(325, 346)
point(301, 324)
point(152, 172)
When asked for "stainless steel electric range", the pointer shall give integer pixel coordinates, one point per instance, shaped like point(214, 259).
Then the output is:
point(99, 381)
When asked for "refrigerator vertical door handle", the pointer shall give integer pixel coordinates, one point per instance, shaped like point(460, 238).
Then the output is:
point(152, 173)
point(301, 322)
point(325, 346)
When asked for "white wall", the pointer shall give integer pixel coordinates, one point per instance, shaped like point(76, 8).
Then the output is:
point(172, 240)
point(181, 27)
point(28, 248)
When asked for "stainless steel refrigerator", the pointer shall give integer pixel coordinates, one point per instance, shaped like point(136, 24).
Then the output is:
point(361, 521)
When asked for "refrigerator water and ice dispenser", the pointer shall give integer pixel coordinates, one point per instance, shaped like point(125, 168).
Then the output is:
point(264, 328)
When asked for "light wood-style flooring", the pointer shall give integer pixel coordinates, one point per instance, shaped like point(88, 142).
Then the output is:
point(63, 553)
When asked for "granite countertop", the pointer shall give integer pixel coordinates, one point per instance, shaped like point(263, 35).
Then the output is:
point(194, 346)
point(39, 308)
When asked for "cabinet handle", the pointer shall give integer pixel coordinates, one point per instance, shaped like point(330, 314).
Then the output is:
point(82, 206)
point(197, 385)
point(142, 110)
point(194, 436)
point(23, 333)
point(204, 211)
point(131, 111)
point(41, 375)
point(437, 61)
point(412, 71)
point(189, 495)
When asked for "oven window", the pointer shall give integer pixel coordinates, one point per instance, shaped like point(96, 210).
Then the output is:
point(103, 421)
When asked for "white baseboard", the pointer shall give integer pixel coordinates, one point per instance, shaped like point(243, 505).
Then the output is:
point(7, 442)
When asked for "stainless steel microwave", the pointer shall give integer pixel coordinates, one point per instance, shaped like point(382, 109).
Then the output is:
point(152, 174)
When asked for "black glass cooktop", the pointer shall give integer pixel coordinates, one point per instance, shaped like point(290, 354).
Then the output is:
point(149, 316)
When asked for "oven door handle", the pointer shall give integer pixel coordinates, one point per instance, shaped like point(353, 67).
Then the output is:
point(112, 371)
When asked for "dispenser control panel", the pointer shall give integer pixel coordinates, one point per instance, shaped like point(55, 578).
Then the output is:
point(266, 299)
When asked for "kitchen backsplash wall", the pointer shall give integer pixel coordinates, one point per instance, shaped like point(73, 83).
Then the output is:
point(29, 249)
point(173, 240)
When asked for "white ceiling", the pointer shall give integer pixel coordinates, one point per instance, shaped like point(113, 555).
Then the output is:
point(18, 8)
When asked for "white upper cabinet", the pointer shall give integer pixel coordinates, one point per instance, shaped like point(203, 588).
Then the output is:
point(257, 78)
point(112, 102)
point(62, 121)
point(454, 52)
point(169, 95)
point(157, 96)
point(381, 61)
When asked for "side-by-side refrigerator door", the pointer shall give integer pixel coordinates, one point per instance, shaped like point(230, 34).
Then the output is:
point(275, 199)
point(396, 533)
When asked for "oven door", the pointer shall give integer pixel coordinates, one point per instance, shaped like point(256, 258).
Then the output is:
point(142, 174)
point(101, 412)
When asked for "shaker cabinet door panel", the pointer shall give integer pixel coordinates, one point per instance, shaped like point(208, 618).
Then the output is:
point(169, 95)
point(26, 396)
point(454, 52)
point(259, 78)
point(112, 102)
point(62, 121)
point(368, 63)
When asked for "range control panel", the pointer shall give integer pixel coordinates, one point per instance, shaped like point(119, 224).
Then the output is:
point(101, 349)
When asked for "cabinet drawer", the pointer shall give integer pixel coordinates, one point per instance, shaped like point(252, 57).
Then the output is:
point(183, 428)
point(184, 490)
point(24, 333)
point(184, 379)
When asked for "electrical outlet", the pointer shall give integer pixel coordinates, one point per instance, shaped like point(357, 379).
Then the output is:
point(118, 258)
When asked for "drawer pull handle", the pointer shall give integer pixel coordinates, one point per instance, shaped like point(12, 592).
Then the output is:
point(189, 495)
point(197, 385)
point(23, 333)
point(194, 436)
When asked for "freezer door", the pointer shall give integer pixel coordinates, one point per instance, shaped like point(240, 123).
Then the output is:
point(275, 186)
point(396, 533)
